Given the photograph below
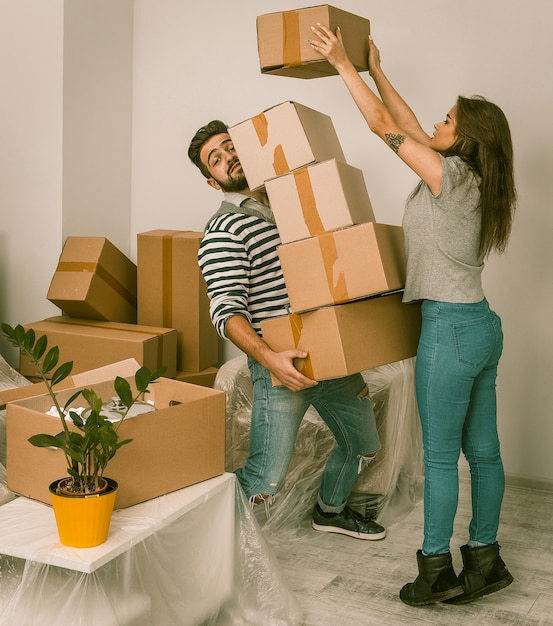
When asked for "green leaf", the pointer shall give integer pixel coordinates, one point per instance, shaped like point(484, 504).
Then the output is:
point(40, 348)
point(44, 441)
point(71, 399)
point(123, 390)
point(62, 372)
point(51, 359)
point(142, 379)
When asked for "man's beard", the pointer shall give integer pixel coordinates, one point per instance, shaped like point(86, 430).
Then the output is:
point(233, 183)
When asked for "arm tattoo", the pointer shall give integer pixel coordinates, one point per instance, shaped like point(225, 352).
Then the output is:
point(394, 141)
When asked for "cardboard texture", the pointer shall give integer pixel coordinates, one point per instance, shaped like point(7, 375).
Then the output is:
point(94, 280)
point(91, 344)
point(179, 444)
point(343, 265)
point(206, 377)
point(348, 338)
point(319, 198)
point(283, 41)
point(122, 368)
point(172, 293)
point(283, 138)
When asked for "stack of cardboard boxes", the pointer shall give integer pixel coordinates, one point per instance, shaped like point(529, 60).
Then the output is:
point(103, 295)
point(344, 272)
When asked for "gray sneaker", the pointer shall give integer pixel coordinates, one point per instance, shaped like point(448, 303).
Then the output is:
point(348, 522)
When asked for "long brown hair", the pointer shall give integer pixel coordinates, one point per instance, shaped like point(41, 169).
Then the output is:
point(484, 143)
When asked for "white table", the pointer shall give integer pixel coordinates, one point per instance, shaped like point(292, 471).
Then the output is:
point(166, 561)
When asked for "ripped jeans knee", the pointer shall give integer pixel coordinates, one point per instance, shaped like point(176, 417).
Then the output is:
point(364, 460)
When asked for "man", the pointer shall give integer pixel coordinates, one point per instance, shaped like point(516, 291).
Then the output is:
point(239, 261)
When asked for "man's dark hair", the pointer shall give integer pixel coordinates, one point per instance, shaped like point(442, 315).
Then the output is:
point(215, 127)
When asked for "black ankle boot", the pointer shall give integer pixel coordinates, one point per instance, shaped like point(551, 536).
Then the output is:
point(436, 581)
point(483, 572)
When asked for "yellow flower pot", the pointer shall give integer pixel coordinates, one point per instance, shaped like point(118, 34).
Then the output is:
point(83, 521)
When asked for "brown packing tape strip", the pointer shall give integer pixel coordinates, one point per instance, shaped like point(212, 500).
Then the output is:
point(296, 325)
point(134, 328)
point(329, 251)
point(308, 203)
point(95, 268)
point(167, 278)
point(291, 55)
point(261, 127)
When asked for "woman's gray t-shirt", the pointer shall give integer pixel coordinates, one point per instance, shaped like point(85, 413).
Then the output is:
point(442, 235)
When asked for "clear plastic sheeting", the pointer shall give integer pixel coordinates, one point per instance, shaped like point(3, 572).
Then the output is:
point(387, 488)
point(211, 566)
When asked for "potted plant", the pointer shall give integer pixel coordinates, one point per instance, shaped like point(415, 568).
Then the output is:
point(88, 439)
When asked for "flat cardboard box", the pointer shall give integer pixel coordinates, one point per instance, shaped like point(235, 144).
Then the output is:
point(206, 377)
point(283, 138)
point(91, 344)
point(348, 338)
point(172, 293)
point(94, 280)
point(179, 444)
point(123, 368)
point(283, 41)
point(319, 198)
point(343, 265)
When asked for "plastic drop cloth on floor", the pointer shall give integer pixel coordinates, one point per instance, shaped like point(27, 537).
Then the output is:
point(145, 585)
point(387, 488)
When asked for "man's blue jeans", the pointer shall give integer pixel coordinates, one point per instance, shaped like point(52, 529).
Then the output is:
point(456, 370)
point(277, 412)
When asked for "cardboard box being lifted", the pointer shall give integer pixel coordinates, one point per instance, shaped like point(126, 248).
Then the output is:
point(94, 280)
point(91, 344)
point(283, 138)
point(319, 198)
point(284, 47)
point(348, 338)
point(181, 443)
point(172, 293)
point(343, 265)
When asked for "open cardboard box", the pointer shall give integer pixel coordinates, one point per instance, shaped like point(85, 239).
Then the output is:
point(181, 443)
point(283, 41)
point(347, 338)
point(283, 138)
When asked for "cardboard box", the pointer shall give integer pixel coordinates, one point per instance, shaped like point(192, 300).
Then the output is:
point(94, 280)
point(172, 294)
point(319, 198)
point(283, 41)
point(206, 377)
point(283, 138)
point(348, 338)
point(107, 372)
point(179, 444)
point(91, 344)
point(343, 265)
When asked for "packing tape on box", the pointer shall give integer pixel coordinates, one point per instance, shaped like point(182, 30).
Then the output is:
point(167, 277)
point(296, 325)
point(308, 202)
point(261, 127)
point(329, 252)
point(102, 273)
point(134, 328)
point(291, 55)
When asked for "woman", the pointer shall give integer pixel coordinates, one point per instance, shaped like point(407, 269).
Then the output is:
point(461, 211)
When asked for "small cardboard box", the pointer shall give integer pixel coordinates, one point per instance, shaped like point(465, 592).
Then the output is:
point(172, 294)
point(94, 280)
point(283, 41)
point(348, 338)
point(206, 377)
point(283, 138)
point(91, 344)
point(319, 198)
point(179, 444)
point(343, 265)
